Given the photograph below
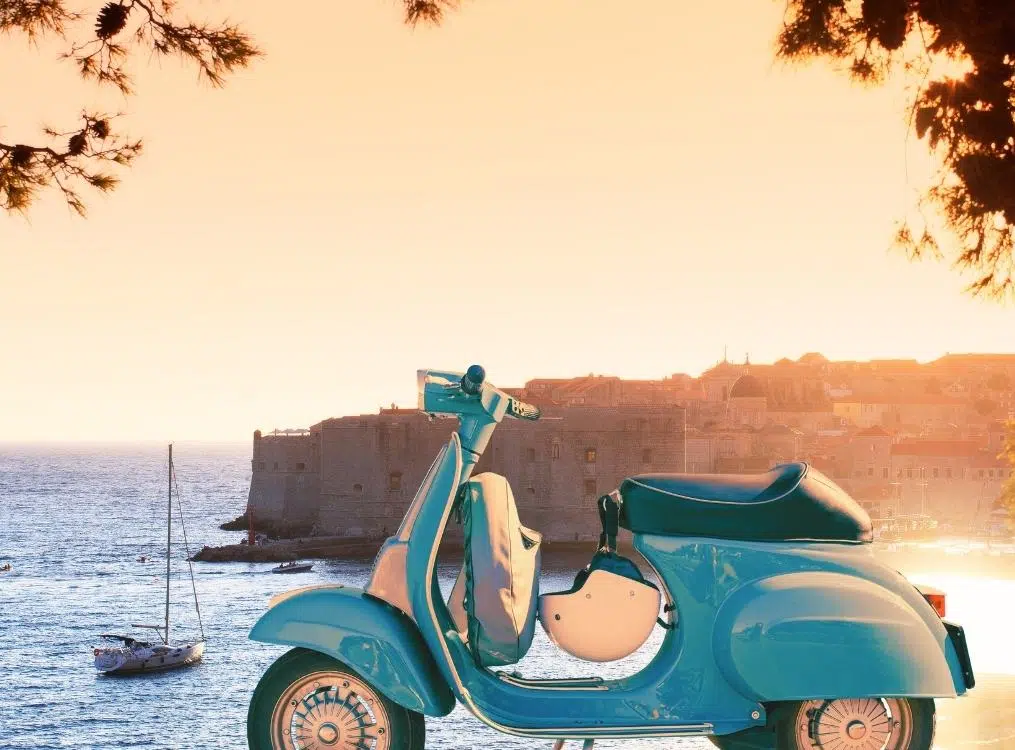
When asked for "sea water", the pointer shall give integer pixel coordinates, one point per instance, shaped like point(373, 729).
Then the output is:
point(74, 520)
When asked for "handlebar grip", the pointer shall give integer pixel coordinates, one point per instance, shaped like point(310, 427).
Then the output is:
point(521, 410)
point(472, 380)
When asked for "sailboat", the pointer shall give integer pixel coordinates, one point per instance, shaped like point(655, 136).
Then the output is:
point(138, 656)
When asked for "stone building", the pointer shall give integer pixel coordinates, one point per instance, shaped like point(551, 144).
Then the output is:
point(285, 477)
point(355, 476)
point(880, 428)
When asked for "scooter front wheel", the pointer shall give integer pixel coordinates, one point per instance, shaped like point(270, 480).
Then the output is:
point(307, 700)
point(842, 724)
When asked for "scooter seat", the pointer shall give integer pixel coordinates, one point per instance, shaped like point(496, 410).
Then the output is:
point(792, 502)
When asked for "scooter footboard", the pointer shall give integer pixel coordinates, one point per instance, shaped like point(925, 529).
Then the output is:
point(379, 642)
point(812, 635)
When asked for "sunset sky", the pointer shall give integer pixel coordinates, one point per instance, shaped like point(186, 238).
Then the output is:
point(549, 188)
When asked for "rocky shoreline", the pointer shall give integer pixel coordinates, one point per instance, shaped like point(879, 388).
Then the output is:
point(286, 550)
point(359, 548)
point(269, 528)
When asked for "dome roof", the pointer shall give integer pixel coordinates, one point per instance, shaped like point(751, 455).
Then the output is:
point(813, 358)
point(747, 386)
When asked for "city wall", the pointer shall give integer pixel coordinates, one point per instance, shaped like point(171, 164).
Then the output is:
point(355, 476)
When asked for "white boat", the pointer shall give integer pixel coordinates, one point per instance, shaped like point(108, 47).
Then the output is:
point(292, 567)
point(137, 656)
point(134, 656)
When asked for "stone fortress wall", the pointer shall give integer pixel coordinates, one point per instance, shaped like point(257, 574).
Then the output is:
point(355, 476)
point(901, 436)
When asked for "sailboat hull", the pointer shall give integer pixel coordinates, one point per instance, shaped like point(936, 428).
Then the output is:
point(123, 661)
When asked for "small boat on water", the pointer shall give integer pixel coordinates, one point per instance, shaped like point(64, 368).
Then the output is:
point(293, 567)
point(4, 568)
point(136, 656)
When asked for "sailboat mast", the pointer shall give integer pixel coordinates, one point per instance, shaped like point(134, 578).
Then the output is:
point(169, 535)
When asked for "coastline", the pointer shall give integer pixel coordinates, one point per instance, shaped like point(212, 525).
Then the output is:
point(360, 548)
point(942, 555)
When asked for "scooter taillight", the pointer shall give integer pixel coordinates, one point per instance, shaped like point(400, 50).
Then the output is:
point(937, 601)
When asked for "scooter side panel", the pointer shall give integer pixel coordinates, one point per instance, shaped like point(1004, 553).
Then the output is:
point(821, 634)
point(382, 644)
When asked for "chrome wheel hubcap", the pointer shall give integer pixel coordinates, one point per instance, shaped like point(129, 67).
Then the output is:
point(855, 724)
point(326, 710)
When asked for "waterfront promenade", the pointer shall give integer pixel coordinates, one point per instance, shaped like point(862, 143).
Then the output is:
point(984, 719)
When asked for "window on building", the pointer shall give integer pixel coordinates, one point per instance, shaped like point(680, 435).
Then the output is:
point(357, 487)
point(275, 467)
point(590, 488)
point(990, 473)
point(646, 456)
point(948, 473)
point(909, 473)
point(395, 481)
point(884, 472)
point(301, 466)
point(531, 490)
point(590, 455)
point(870, 471)
point(935, 472)
point(979, 474)
point(555, 450)
point(530, 455)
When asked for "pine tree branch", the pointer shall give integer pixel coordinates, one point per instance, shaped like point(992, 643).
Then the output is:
point(79, 158)
point(75, 159)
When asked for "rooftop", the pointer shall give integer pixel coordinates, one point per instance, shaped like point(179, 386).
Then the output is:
point(937, 448)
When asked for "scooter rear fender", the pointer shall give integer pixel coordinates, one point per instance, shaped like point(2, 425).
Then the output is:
point(817, 634)
point(382, 644)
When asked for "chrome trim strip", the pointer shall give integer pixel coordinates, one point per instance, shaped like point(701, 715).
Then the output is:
point(803, 474)
point(592, 683)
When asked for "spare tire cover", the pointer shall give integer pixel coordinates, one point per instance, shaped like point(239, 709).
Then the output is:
point(497, 591)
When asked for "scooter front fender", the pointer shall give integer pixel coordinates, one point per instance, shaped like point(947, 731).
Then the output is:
point(379, 642)
point(813, 635)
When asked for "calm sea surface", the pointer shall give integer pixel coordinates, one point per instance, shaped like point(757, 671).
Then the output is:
point(73, 521)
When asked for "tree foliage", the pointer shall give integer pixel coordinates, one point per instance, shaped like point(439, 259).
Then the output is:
point(82, 155)
point(967, 120)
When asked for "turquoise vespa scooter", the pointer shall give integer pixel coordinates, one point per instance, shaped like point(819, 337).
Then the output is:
point(781, 629)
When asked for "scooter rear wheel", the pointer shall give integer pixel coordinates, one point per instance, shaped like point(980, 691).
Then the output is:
point(843, 724)
point(308, 701)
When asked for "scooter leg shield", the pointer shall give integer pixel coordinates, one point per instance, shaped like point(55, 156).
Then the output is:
point(810, 635)
point(382, 644)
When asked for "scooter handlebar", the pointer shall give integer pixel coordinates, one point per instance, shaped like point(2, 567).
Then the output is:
point(458, 394)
